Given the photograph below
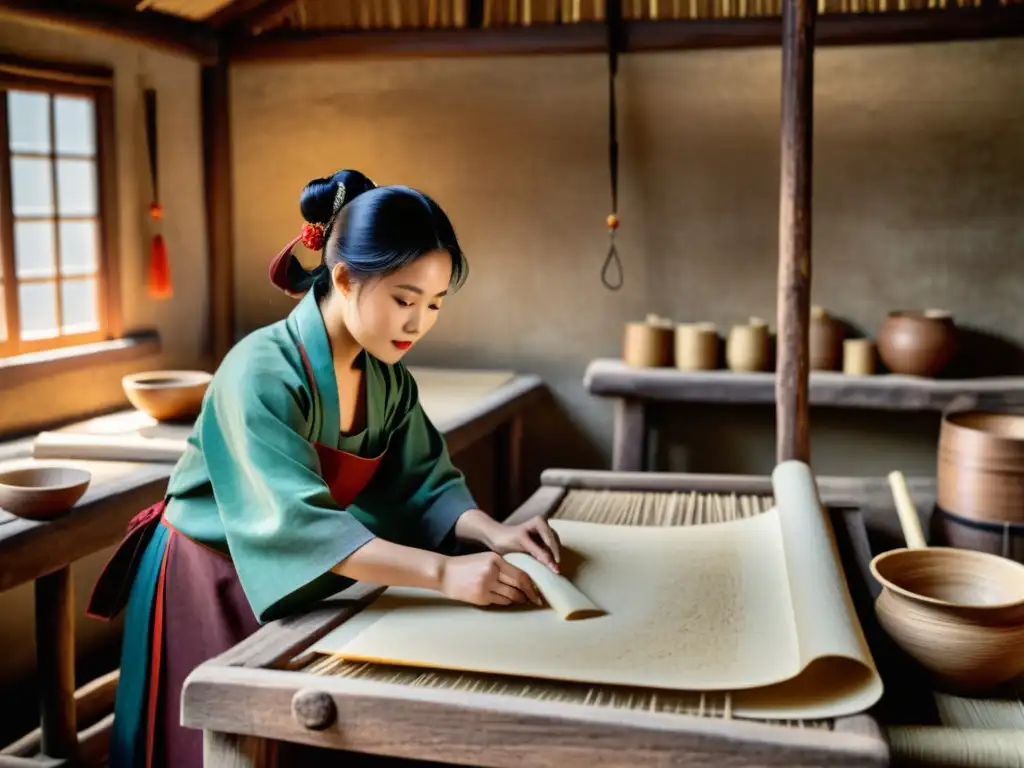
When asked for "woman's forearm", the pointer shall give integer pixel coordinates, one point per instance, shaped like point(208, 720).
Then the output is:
point(393, 565)
point(475, 525)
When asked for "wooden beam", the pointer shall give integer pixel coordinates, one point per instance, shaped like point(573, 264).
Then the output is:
point(585, 37)
point(663, 35)
point(792, 421)
point(160, 30)
point(240, 13)
point(216, 111)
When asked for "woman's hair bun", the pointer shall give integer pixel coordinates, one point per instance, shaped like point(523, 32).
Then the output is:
point(318, 198)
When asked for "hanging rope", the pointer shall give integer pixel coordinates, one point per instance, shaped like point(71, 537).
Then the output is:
point(613, 23)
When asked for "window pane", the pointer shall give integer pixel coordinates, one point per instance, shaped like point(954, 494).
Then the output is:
point(76, 187)
point(33, 249)
point(28, 121)
point(78, 247)
point(32, 186)
point(75, 123)
point(78, 305)
point(37, 303)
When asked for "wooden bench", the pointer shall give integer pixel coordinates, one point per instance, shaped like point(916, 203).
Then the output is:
point(632, 389)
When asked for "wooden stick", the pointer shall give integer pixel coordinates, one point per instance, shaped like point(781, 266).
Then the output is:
point(93, 702)
point(55, 650)
point(794, 287)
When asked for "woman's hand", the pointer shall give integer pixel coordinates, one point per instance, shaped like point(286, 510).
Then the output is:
point(535, 537)
point(486, 579)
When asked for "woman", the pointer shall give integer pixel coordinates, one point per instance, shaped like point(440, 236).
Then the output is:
point(311, 466)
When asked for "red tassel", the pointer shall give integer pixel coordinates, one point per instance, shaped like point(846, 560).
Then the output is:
point(159, 283)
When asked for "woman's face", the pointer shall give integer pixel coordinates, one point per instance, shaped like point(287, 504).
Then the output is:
point(386, 316)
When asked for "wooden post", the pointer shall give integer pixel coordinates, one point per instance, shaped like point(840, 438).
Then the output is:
point(794, 288)
point(55, 659)
point(216, 95)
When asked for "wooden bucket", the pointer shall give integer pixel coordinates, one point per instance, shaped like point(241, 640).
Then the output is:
point(980, 473)
point(1005, 539)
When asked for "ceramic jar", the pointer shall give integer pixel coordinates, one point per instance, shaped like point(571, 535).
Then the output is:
point(917, 343)
point(696, 347)
point(649, 344)
point(748, 347)
point(826, 341)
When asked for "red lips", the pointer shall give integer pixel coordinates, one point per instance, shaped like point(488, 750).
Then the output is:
point(402, 344)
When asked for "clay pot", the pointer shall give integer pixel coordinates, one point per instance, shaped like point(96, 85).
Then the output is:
point(696, 347)
point(859, 357)
point(917, 343)
point(980, 473)
point(826, 341)
point(650, 344)
point(748, 346)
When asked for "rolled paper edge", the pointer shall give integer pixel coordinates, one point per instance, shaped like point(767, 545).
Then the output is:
point(561, 594)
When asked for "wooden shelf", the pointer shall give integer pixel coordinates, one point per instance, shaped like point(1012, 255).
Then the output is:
point(890, 392)
point(639, 36)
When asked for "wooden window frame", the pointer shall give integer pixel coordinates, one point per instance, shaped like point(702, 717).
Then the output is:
point(60, 79)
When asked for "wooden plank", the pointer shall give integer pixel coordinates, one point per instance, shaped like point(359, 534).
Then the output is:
point(10, 761)
point(55, 651)
point(608, 377)
point(793, 360)
point(544, 501)
point(227, 750)
point(629, 437)
point(30, 549)
point(216, 112)
point(507, 732)
point(274, 644)
point(488, 413)
point(872, 495)
point(638, 36)
point(30, 367)
point(161, 30)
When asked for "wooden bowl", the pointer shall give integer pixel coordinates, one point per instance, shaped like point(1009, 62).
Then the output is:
point(958, 613)
point(980, 472)
point(917, 343)
point(167, 395)
point(41, 492)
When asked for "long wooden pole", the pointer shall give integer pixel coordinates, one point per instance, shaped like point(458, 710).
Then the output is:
point(794, 290)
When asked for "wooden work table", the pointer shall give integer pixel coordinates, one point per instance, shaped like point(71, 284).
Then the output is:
point(260, 706)
point(43, 552)
point(633, 389)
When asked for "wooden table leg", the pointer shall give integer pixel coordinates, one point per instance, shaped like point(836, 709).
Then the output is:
point(229, 750)
point(629, 442)
point(508, 440)
point(55, 661)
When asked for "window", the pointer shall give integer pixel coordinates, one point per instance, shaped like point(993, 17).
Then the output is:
point(56, 284)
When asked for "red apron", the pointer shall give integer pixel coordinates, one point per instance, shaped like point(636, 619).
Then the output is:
point(201, 610)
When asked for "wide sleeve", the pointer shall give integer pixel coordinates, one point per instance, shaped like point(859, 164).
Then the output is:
point(283, 529)
point(417, 480)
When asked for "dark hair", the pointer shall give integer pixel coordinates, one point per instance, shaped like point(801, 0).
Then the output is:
point(372, 230)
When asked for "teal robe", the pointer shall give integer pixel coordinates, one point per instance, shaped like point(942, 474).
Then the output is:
point(249, 485)
point(249, 482)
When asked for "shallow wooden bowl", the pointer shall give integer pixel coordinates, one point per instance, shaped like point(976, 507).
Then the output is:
point(42, 492)
point(980, 471)
point(167, 395)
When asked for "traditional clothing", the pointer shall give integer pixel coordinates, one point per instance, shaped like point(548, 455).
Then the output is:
point(268, 497)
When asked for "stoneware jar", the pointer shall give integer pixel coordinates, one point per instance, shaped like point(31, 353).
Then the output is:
point(747, 347)
point(917, 343)
point(826, 341)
